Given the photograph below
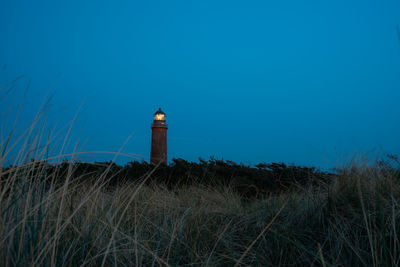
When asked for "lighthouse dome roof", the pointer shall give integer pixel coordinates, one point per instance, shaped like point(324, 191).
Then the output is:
point(159, 111)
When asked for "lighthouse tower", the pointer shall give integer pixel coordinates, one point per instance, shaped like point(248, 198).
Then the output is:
point(159, 138)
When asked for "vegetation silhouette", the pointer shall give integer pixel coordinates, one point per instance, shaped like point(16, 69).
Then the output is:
point(249, 182)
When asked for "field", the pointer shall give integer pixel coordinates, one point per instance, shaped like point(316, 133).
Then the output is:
point(58, 216)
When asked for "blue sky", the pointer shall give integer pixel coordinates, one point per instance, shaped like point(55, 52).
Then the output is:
point(305, 82)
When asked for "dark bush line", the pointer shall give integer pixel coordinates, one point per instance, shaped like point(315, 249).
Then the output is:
point(249, 181)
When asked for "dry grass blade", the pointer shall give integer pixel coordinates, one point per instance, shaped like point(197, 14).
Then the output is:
point(124, 211)
point(216, 242)
point(349, 244)
point(321, 255)
point(260, 235)
point(367, 223)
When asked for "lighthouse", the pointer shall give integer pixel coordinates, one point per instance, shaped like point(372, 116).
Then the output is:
point(159, 138)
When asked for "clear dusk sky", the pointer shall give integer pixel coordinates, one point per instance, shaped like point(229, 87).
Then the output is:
point(307, 82)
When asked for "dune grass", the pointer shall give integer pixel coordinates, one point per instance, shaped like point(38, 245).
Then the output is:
point(352, 221)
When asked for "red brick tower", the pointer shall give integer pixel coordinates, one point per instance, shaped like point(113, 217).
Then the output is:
point(159, 138)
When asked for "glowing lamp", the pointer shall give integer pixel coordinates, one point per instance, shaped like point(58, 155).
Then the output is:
point(159, 116)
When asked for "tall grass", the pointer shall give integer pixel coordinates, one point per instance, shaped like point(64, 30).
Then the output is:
point(353, 221)
point(50, 218)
